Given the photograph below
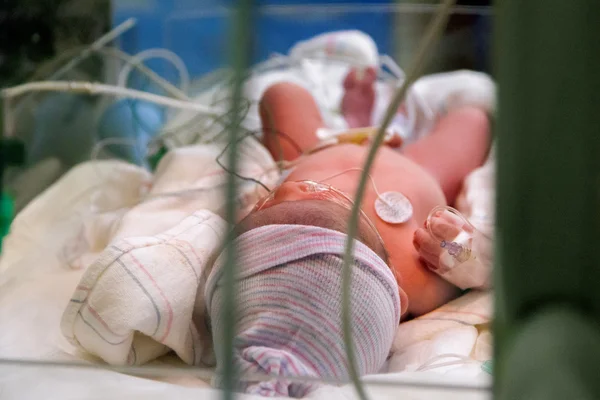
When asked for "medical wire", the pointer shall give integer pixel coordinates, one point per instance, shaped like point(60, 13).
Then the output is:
point(172, 133)
point(98, 147)
point(226, 169)
point(232, 171)
point(430, 39)
point(360, 170)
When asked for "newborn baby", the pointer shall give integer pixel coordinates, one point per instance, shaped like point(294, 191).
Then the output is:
point(292, 242)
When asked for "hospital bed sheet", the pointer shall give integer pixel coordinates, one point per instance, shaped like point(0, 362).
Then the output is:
point(37, 280)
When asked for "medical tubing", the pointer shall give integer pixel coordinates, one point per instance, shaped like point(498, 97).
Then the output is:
point(100, 88)
point(101, 42)
point(116, 54)
point(434, 31)
point(460, 360)
point(174, 59)
point(395, 69)
point(242, 35)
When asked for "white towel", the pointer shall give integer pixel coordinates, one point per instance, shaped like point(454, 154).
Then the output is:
point(432, 96)
point(137, 301)
point(459, 327)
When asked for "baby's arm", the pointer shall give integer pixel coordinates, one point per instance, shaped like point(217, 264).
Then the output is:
point(290, 118)
point(456, 146)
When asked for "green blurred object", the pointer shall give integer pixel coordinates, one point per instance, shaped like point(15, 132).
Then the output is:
point(12, 152)
point(547, 339)
point(7, 211)
point(487, 366)
point(553, 356)
point(241, 54)
point(155, 158)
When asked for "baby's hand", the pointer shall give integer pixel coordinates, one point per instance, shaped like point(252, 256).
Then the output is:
point(444, 226)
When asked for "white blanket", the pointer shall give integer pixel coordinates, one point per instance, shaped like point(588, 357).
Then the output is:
point(36, 283)
point(135, 303)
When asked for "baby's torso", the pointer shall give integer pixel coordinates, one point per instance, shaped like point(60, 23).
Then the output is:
point(391, 172)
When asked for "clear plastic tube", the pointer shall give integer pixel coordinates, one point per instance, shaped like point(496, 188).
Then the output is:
point(433, 364)
point(176, 61)
point(436, 223)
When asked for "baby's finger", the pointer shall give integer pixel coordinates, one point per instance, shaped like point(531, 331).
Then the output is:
point(443, 229)
point(456, 220)
point(424, 243)
point(451, 218)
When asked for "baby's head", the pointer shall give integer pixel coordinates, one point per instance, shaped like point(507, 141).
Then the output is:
point(289, 314)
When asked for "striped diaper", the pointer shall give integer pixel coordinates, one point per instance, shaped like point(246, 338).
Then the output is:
point(289, 308)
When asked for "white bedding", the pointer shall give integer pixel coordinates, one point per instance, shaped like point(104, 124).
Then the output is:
point(36, 283)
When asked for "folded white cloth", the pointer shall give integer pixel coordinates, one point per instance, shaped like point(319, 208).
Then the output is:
point(318, 64)
point(187, 179)
point(137, 301)
point(432, 96)
point(352, 46)
point(460, 327)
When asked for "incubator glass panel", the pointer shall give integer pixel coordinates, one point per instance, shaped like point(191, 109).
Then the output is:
point(118, 212)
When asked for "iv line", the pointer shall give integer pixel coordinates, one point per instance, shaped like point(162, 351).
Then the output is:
point(370, 177)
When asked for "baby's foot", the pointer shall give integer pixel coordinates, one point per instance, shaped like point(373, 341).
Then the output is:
point(445, 226)
point(359, 97)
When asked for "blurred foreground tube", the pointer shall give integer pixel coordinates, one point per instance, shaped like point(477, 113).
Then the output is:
point(547, 259)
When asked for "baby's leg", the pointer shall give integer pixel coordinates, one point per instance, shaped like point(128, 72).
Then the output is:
point(457, 145)
point(359, 97)
point(290, 118)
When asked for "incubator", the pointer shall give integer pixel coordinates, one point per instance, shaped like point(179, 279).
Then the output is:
point(102, 196)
